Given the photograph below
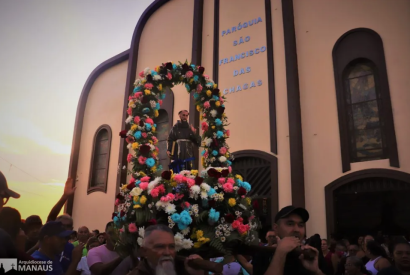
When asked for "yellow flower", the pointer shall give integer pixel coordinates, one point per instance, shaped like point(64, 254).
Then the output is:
point(194, 172)
point(135, 145)
point(227, 155)
point(154, 169)
point(156, 114)
point(249, 200)
point(199, 234)
point(143, 199)
point(143, 81)
point(201, 117)
point(223, 115)
point(213, 127)
point(217, 103)
point(135, 198)
point(124, 187)
point(221, 196)
point(232, 202)
point(130, 103)
point(157, 69)
point(209, 93)
point(198, 108)
point(154, 153)
point(215, 86)
point(191, 80)
point(142, 174)
point(153, 129)
point(203, 161)
point(160, 87)
point(174, 184)
point(147, 92)
point(137, 206)
point(150, 141)
point(134, 127)
point(239, 177)
point(197, 245)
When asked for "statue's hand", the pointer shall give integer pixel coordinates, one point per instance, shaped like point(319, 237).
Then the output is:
point(193, 129)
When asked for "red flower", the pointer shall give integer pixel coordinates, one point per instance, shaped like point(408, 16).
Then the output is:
point(122, 213)
point(113, 215)
point(185, 67)
point(141, 123)
point(130, 186)
point(225, 172)
point(130, 139)
point(166, 175)
point(255, 205)
point(215, 92)
point(241, 191)
point(229, 218)
point(145, 149)
point(212, 172)
point(123, 133)
point(198, 180)
point(152, 222)
point(169, 66)
point(119, 196)
point(214, 143)
point(201, 70)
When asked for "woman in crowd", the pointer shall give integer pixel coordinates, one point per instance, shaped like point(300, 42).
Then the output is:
point(82, 265)
point(355, 266)
point(401, 260)
point(331, 259)
point(101, 238)
point(377, 257)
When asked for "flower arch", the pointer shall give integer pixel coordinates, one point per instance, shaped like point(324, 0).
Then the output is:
point(210, 207)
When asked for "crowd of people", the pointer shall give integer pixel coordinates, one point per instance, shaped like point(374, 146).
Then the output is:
point(84, 252)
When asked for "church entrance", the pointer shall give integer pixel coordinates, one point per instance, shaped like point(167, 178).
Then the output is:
point(369, 204)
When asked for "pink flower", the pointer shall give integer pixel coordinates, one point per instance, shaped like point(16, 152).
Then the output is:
point(144, 185)
point(206, 154)
point(132, 228)
point(230, 169)
point(189, 74)
point(207, 105)
point(204, 114)
point(132, 180)
point(138, 94)
point(129, 111)
point(221, 180)
point(169, 76)
point(190, 182)
point(145, 179)
point(130, 97)
point(178, 196)
point(141, 74)
point(154, 139)
point(206, 77)
point(231, 181)
point(129, 158)
point(154, 192)
point(148, 86)
point(170, 197)
point(121, 230)
point(144, 135)
point(228, 133)
point(179, 178)
point(156, 149)
point(160, 102)
point(150, 121)
point(161, 188)
point(199, 87)
point(117, 202)
point(243, 228)
point(222, 151)
point(236, 224)
point(136, 119)
point(186, 204)
point(228, 188)
point(204, 126)
point(221, 100)
point(141, 160)
point(164, 199)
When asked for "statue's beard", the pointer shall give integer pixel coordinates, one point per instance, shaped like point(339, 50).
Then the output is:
point(165, 266)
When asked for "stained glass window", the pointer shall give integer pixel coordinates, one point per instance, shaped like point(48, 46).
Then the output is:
point(100, 160)
point(363, 102)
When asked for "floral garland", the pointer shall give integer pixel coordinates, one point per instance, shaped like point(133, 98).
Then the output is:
point(212, 206)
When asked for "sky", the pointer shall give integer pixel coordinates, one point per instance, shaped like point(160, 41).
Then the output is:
point(47, 51)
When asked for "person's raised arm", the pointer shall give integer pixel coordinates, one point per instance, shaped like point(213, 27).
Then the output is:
point(68, 192)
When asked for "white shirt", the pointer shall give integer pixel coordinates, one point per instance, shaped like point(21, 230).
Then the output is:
point(83, 266)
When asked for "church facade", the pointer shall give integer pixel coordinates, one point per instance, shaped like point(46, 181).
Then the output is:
point(316, 100)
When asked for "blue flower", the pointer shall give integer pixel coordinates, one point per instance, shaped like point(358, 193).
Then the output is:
point(150, 162)
point(223, 105)
point(215, 97)
point(137, 183)
point(229, 163)
point(218, 122)
point(160, 167)
point(137, 134)
point(146, 110)
point(193, 66)
point(196, 78)
point(209, 84)
point(176, 217)
point(247, 186)
point(213, 215)
point(203, 152)
point(196, 96)
point(124, 218)
point(157, 106)
point(211, 192)
point(214, 152)
point(219, 134)
point(163, 96)
point(153, 72)
point(239, 182)
point(136, 89)
point(182, 226)
point(187, 87)
point(185, 218)
point(148, 126)
point(174, 66)
point(116, 221)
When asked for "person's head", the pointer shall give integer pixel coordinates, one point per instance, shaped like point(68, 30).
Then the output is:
point(83, 234)
point(340, 249)
point(346, 242)
point(67, 221)
point(53, 237)
point(290, 221)
point(183, 115)
point(353, 266)
point(32, 227)
point(353, 249)
point(5, 192)
point(109, 231)
point(10, 221)
point(101, 238)
point(95, 232)
point(360, 240)
point(325, 245)
point(367, 238)
point(159, 248)
point(271, 237)
point(401, 255)
point(373, 250)
point(73, 237)
point(92, 243)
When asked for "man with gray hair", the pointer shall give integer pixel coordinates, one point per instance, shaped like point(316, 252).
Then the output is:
point(159, 253)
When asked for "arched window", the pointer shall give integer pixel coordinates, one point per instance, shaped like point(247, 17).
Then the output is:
point(364, 112)
point(162, 122)
point(100, 159)
point(363, 99)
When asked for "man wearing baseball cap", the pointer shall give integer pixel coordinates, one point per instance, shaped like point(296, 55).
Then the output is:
point(290, 229)
point(53, 237)
point(5, 192)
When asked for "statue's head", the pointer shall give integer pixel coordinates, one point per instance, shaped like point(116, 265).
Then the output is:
point(183, 115)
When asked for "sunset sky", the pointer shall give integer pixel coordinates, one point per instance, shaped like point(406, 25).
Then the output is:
point(47, 51)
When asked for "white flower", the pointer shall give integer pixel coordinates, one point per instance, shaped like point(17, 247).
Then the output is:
point(153, 103)
point(222, 159)
point(129, 133)
point(204, 195)
point(171, 225)
point(157, 77)
point(208, 141)
point(161, 204)
point(227, 233)
point(222, 220)
point(153, 183)
point(140, 241)
point(185, 231)
point(137, 82)
point(129, 119)
point(147, 71)
point(223, 239)
point(218, 233)
point(213, 113)
point(187, 243)
point(152, 147)
point(129, 146)
point(141, 231)
point(205, 186)
point(195, 189)
point(136, 191)
point(170, 208)
point(178, 239)
point(242, 206)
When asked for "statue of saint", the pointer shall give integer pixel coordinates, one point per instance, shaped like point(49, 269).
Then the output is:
point(181, 141)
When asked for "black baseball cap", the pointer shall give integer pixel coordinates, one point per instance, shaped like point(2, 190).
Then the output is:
point(33, 220)
point(288, 210)
point(4, 187)
point(54, 229)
